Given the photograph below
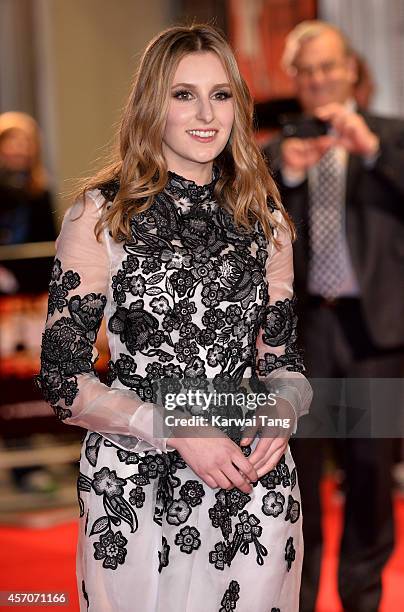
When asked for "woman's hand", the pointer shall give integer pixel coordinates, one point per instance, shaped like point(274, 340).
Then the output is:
point(273, 441)
point(216, 459)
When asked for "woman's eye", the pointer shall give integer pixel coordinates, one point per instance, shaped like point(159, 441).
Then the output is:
point(222, 95)
point(182, 95)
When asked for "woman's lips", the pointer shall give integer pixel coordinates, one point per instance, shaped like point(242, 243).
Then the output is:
point(205, 136)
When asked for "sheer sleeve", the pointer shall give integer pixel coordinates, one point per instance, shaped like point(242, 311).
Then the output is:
point(77, 298)
point(279, 363)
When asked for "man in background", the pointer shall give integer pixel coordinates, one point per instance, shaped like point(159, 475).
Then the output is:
point(342, 182)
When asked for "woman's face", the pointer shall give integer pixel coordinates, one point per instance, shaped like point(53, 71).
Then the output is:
point(200, 115)
point(16, 151)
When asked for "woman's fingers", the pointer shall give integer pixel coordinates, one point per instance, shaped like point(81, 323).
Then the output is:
point(222, 481)
point(260, 450)
point(210, 481)
point(277, 444)
point(238, 480)
point(271, 462)
point(244, 465)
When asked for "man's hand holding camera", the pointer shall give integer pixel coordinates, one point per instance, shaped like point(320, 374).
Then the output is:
point(351, 130)
point(348, 130)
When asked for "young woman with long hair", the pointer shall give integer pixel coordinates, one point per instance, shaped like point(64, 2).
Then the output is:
point(182, 244)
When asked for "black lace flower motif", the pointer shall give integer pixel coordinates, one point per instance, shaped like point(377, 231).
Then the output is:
point(182, 281)
point(290, 553)
point(134, 326)
point(205, 337)
point(216, 355)
point(280, 323)
point(130, 264)
point(213, 318)
point(155, 370)
point(164, 554)
point(269, 363)
point(160, 305)
point(152, 466)
point(111, 548)
point(195, 373)
point(247, 532)
point(120, 287)
point(192, 492)
point(185, 189)
point(212, 295)
point(137, 497)
point(176, 258)
point(283, 471)
point(243, 278)
point(150, 265)
point(185, 309)
point(65, 353)
point(189, 331)
point(188, 539)
point(57, 298)
point(62, 413)
point(70, 280)
point(220, 517)
point(248, 527)
point(270, 480)
point(293, 510)
point(233, 314)
point(137, 285)
point(205, 273)
point(273, 504)
point(234, 500)
point(87, 313)
point(178, 512)
point(106, 482)
point(218, 557)
point(230, 598)
point(56, 270)
point(127, 457)
point(186, 350)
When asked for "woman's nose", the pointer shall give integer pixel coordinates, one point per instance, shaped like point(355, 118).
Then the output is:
point(205, 110)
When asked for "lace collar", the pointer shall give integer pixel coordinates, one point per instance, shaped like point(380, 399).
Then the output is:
point(183, 189)
point(177, 186)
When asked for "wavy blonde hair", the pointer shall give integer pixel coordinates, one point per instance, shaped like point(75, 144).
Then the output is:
point(245, 184)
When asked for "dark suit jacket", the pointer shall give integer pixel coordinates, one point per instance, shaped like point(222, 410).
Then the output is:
point(375, 230)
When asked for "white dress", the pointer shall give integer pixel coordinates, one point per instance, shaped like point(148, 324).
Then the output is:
point(189, 298)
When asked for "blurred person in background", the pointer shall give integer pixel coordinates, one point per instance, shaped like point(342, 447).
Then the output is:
point(364, 87)
point(25, 200)
point(342, 181)
point(25, 216)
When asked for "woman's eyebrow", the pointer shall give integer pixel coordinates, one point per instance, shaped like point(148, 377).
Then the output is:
point(193, 86)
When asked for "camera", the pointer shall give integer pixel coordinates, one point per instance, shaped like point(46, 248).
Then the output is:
point(304, 127)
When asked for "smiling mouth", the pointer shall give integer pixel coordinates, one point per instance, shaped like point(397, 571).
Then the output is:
point(206, 134)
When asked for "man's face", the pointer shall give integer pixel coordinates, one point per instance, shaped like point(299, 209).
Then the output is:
point(324, 72)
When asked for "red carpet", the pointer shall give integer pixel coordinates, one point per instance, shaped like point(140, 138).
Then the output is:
point(43, 560)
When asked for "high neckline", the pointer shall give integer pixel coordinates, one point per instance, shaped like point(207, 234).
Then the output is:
point(184, 189)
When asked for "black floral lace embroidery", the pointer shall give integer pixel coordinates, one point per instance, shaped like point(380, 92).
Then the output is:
point(178, 246)
point(67, 345)
point(230, 597)
point(280, 330)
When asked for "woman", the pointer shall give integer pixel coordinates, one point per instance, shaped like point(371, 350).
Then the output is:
point(25, 201)
point(193, 271)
